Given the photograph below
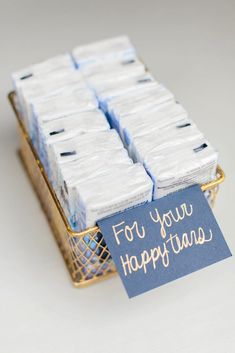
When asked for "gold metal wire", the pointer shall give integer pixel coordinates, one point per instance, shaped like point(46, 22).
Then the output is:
point(85, 253)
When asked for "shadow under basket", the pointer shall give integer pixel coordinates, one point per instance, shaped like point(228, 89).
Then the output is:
point(85, 253)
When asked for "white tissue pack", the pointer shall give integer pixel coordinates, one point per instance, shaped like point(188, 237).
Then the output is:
point(107, 51)
point(109, 135)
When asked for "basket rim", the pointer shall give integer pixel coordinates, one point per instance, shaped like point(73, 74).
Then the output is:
point(11, 97)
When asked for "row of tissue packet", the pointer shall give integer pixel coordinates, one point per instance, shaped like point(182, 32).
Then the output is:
point(85, 110)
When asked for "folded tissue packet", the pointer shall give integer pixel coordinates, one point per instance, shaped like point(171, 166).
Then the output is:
point(110, 192)
point(86, 167)
point(51, 108)
point(48, 85)
point(59, 62)
point(134, 102)
point(156, 140)
point(118, 70)
point(82, 146)
point(83, 167)
point(104, 51)
point(108, 91)
point(178, 167)
point(55, 65)
point(68, 127)
point(157, 117)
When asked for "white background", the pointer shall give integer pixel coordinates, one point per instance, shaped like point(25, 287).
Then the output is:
point(189, 46)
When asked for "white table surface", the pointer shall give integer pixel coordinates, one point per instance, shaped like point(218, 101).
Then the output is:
point(189, 46)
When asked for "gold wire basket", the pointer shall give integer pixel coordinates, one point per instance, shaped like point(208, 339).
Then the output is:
point(85, 253)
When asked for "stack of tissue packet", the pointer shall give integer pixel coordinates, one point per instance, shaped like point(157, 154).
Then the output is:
point(94, 177)
point(40, 71)
point(49, 109)
point(155, 129)
point(67, 127)
point(108, 134)
point(85, 160)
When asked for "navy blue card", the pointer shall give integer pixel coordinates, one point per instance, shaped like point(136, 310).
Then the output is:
point(164, 240)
